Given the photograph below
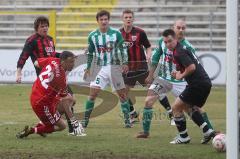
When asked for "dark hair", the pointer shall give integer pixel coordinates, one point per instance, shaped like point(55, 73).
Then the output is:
point(66, 54)
point(102, 13)
point(127, 11)
point(168, 32)
point(40, 20)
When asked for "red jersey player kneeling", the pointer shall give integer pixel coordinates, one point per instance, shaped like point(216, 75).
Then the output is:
point(49, 97)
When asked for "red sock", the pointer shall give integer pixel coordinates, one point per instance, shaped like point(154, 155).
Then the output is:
point(44, 129)
point(39, 124)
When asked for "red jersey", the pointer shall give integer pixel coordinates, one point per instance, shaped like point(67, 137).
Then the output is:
point(51, 82)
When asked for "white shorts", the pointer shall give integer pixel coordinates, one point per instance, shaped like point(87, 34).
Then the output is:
point(161, 87)
point(109, 75)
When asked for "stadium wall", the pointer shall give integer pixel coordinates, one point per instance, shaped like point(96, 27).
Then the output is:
point(213, 62)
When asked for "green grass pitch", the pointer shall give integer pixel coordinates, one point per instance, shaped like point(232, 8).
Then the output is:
point(106, 138)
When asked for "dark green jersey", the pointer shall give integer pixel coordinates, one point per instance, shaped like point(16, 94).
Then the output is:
point(108, 48)
point(164, 57)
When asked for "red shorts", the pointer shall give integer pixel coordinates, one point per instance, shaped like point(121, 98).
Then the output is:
point(46, 111)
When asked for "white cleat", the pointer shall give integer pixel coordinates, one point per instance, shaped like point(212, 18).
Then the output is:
point(179, 140)
point(172, 122)
point(82, 134)
point(79, 134)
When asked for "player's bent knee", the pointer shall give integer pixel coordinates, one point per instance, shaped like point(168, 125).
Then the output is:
point(150, 100)
point(149, 103)
point(177, 111)
point(92, 97)
point(62, 126)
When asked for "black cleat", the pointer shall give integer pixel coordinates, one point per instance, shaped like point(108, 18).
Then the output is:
point(208, 136)
point(24, 133)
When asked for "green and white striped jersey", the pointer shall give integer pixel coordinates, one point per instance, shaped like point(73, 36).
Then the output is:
point(163, 57)
point(107, 48)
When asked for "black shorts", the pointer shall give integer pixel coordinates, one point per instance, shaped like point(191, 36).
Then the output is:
point(131, 78)
point(196, 95)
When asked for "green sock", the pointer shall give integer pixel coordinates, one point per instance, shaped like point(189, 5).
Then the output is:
point(147, 118)
point(126, 109)
point(205, 117)
point(88, 110)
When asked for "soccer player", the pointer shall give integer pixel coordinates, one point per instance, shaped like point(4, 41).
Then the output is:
point(106, 44)
point(136, 40)
point(178, 86)
point(196, 92)
point(165, 82)
point(38, 45)
point(49, 97)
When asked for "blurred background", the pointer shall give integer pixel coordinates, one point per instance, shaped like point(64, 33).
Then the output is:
point(72, 20)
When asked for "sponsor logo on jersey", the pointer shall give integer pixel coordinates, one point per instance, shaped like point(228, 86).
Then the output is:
point(104, 48)
point(128, 44)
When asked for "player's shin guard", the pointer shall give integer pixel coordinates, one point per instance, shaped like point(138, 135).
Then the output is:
point(165, 103)
point(198, 119)
point(126, 113)
point(89, 107)
point(70, 128)
point(181, 126)
point(147, 118)
point(133, 113)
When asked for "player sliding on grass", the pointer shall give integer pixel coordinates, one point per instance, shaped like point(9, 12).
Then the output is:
point(39, 45)
point(49, 97)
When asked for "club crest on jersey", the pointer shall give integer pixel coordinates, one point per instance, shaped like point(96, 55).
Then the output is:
point(112, 38)
point(134, 38)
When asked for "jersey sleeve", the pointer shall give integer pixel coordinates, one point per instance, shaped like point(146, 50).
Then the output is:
point(122, 48)
point(27, 50)
point(145, 40)
point(190, 47)
point(156, 54)
point(91, 49)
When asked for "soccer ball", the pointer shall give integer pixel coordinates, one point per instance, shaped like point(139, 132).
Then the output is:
point(219, 142)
